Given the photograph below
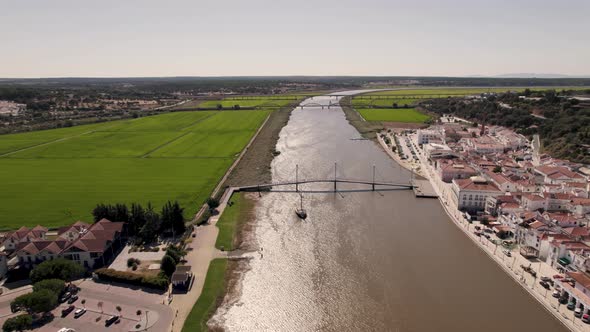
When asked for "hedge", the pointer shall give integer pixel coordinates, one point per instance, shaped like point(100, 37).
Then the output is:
point(158, 282)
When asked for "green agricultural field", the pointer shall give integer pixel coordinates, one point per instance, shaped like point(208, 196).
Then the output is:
point(444, 92)
point(407, 115)
point(360, 102)
point(228, 103)
point(54, 177)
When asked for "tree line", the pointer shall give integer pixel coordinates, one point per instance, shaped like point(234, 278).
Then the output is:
point(145, 223)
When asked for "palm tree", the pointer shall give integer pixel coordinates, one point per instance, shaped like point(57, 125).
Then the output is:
point(119, 309)
point(84, 302)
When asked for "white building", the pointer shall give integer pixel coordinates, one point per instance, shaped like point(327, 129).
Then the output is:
point(471, 194)
point(424, 136)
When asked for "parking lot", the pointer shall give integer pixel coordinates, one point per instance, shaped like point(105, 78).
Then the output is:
point(101, 301)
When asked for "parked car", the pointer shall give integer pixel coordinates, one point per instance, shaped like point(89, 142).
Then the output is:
point(556, 294)
point(571, 305)
point(578, 312)
point(111, 320)
point(558, 276)
point(66, 329)
point(73, 299)
point(65, 297)
point(507, 253)
point(67, 310)
point(478, 228)
point(487, 230)
point(79, 312)
point(544, 284)
point(586, 319)
point(545, 279)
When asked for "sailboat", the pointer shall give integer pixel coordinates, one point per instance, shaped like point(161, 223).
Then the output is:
point(301, 213)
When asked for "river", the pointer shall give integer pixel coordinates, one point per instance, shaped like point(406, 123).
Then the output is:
point(370, 261)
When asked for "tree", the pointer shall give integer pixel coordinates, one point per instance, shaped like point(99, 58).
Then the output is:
point(497, 169)
point(119, 309)
point(18, 323)
point(40, 301)
point(168, 265)
point(136, 218)
point(59, 268)
point(219, 107)
point(176, 253)
point(213, 203)
point(173, 218)
point(55, 285)
point(149, 231)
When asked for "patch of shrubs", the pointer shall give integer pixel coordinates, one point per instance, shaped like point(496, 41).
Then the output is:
point(133, 263)
point(157, 282)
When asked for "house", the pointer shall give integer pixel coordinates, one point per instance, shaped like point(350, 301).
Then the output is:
point(32, 253)
point(557, 201)
point(87, 244)
point(22, 235)
point(558, 174)
point(96, 244)
point(505, 184)
point(471, 194)
point(579, 206)
point(533, 202)
point(562, 219)
point(562, 252)
point(449, 170)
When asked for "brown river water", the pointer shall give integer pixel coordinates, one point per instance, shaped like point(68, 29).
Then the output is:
point(366, 261)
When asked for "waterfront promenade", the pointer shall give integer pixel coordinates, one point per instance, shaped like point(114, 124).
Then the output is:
point(511, 265)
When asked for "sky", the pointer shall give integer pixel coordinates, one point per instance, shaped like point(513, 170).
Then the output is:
point(63, 38)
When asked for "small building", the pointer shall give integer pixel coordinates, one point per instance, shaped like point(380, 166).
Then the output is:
point(182, 276)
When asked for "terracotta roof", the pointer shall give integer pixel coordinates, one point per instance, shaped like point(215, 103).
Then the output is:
point(577, 231)
point(581, 201)
point(468, 184)
point(35, 247)
point(533, 197)
point(580, 278)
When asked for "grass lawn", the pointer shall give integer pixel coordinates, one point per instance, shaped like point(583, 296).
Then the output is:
point(55, 177)
point(407, 115)
point(232, 216)
point(212, 289)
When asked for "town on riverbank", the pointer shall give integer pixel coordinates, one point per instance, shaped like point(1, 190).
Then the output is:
point(528, 211)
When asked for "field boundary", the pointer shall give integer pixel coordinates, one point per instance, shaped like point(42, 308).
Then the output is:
point(231, 168)
point(46, 143)
point(164, 144)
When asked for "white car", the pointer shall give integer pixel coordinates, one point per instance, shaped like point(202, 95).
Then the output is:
point(79, 312)
point(66, 329)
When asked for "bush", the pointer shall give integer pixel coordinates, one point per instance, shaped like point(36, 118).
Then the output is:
point(133, 262)
point(157, 282)
point(59, 268)
point(18, 323)
point(55, 285)
point(213, 203)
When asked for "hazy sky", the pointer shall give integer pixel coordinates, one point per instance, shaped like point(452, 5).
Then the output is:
point(54, 38)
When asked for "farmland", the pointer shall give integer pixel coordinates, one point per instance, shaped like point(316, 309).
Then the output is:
point(54, 177)
point(250, 102)
point(406, 115)
point(396, 105)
